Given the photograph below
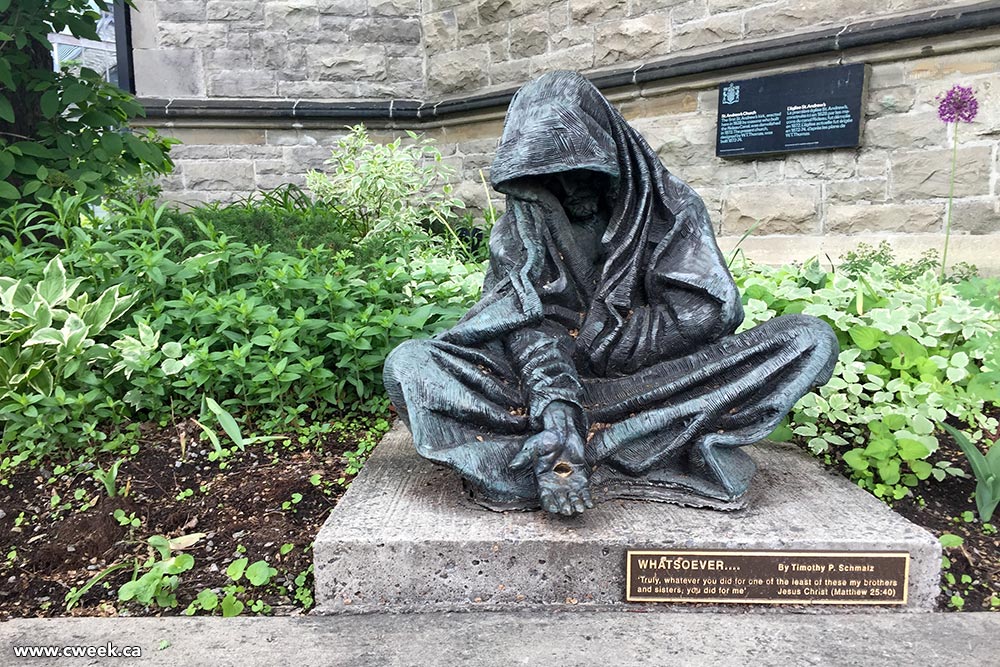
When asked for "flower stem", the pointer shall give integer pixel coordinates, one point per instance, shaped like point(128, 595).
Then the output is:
point(951, 196)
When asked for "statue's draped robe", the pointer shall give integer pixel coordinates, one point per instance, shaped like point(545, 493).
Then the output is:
point(628, 315)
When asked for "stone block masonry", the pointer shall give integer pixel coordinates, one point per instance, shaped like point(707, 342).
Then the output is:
point(332, 49)
point(533, 36)
point(894, 186)
point(290, 48)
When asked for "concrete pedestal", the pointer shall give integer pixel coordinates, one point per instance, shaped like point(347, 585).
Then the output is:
point(404, 538)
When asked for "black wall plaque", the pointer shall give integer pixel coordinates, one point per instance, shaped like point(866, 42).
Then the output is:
point(800, 111)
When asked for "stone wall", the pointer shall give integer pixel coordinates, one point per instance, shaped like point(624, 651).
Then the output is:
point(355, 49)
point(314, 49)
point(894, 186)
point(897, 181)
point(472, 44)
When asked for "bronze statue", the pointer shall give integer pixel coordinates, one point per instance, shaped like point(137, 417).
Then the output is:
point(600, 360)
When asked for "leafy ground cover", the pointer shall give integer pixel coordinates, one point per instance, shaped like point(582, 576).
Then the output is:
point(168, 514)
point(918, 353)
point(74, 547)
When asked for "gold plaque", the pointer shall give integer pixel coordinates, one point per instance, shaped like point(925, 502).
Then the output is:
point(768, 577)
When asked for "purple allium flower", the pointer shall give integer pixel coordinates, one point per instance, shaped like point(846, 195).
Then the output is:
point(958, 104)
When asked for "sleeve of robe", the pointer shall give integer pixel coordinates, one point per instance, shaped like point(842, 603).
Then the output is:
point(543, 357)
point(541, 352)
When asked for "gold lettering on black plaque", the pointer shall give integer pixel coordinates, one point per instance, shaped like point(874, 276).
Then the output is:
point(768, 577)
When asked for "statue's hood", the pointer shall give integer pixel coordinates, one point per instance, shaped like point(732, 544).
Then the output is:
point(559, 122)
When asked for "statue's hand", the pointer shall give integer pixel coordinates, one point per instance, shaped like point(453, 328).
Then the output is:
point(556, 455)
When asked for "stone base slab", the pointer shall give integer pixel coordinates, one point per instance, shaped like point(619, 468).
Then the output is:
point(406, 538)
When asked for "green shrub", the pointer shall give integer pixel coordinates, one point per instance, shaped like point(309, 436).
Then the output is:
point(283, 218)
point(270, 307)
point(914, 353)
point(981, 292)
point(396, 193)
point(384, 188)
point(60, 129)
point(856, 262)
point(263, 332)
point(389, 199)
point(282, 231)
point(260, 330)
point(49, 355)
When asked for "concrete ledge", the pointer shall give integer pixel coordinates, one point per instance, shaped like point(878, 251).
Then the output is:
point(692, 640)
point(983, 250)
point(403, 538)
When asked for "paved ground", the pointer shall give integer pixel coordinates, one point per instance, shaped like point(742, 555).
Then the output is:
point(534, 638)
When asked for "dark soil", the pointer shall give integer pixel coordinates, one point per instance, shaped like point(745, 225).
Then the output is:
point(246, 509)
point(969, 576)
point(60, 531)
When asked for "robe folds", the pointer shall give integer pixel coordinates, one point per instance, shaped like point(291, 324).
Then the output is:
point(624, 310)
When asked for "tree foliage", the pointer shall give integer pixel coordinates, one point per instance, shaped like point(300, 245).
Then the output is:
point(63, 129)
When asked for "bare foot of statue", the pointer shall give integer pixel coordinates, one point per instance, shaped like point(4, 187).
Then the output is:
point(556, 455)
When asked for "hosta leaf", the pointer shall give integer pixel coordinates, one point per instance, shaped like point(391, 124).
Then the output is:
point(911, 450)
point(866, 338)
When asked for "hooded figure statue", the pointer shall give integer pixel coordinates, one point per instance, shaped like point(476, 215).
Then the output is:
point(601, 360)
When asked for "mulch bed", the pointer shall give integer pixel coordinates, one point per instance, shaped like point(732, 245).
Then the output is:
point(247, 510)
point(947, 507)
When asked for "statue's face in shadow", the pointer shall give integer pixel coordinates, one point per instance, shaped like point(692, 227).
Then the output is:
point(583, 194)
